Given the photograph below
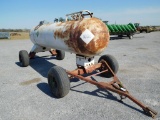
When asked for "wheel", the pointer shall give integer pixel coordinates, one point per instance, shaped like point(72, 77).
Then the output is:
point(58, 81)
point(112, 62)
point(60, 54)
point(130, 36)
point(24, 58)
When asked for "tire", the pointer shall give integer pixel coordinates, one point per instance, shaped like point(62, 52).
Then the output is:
point(58, 82)
point(60, 54)
point(24, 58)
point(112, 62)
point(130, 36)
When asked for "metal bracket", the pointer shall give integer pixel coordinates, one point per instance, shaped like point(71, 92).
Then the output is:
point(79, 15)
point(84, 61)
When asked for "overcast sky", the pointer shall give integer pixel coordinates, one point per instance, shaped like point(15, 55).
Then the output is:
point(22, 14)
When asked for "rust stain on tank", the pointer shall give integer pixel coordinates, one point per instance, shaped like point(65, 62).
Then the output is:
point(64, 31)
point(73, 30)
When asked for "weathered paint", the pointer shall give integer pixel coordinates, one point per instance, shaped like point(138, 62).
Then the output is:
point(66, 36)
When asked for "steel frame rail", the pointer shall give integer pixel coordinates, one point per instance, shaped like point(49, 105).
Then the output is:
point(115, 85)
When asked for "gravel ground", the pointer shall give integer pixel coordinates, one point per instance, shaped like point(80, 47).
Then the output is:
point(25, 94)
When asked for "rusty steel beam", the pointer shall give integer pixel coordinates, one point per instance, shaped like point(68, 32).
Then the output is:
point(115, 85)
point(53, 52)
point(81, 70)
point(32, 55)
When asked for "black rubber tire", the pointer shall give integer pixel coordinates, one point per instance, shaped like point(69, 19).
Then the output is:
point(24, 58)
point(58, 81)
point(112, 62)
point(60, 54)
point(130, 36)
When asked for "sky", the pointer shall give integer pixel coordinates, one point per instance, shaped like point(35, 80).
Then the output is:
point(26, 14)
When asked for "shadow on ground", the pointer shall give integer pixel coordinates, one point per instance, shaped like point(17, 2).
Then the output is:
point(116, 38)
point(44, 87)
point(124, 37)
point(42, 66)
point(102, 93)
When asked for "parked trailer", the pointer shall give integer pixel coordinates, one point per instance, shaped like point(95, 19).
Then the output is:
point(86, 37)
point(121, 30)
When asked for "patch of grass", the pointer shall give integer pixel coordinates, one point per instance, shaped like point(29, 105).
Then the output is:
point(19, 35)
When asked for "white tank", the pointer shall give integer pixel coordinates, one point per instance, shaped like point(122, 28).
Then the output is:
point(85, 36)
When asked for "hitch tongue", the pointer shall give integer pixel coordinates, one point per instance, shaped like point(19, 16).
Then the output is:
point(151, 112)
point(115, 85)
point(124, 93)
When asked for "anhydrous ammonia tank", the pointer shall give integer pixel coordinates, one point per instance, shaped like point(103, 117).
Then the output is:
point(86, 36)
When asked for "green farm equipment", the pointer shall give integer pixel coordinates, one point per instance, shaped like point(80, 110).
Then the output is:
point(121, 30)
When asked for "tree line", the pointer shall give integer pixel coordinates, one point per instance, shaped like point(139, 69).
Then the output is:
point(14, 30)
